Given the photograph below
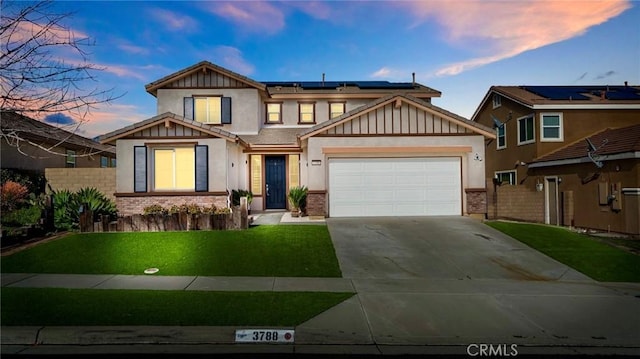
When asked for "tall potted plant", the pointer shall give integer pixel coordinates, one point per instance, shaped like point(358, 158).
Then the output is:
point(298, 200)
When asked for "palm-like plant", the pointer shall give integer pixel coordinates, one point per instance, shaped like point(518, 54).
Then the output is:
point(298, 199)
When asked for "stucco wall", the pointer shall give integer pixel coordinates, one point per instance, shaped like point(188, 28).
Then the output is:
point(246, 106)
point(217, 162)
point(73, 179)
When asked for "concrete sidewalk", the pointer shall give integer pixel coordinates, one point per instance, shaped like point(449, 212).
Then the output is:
point(387, 316)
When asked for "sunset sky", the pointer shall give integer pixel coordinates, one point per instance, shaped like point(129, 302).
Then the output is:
point(458, 47)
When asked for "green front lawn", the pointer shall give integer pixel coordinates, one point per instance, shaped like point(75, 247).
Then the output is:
point(279, 250)
point(598, 260)
point(53, 306)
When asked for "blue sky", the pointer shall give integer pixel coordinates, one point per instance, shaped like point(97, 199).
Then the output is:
point(458, 47)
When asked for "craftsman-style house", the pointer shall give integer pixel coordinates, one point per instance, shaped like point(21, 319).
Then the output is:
point(362, 148)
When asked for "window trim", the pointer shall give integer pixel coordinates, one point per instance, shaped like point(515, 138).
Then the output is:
point(497, 103)
point(70, 159)
point(344, 108)
point(560, 125)
point(533, 138)
point(266, 111)
point(313, 113)
point(151, 176)
point(515, 176)
point(195, 97)
point(504, 135)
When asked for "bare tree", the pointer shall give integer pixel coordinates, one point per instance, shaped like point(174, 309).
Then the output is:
point(45, 67)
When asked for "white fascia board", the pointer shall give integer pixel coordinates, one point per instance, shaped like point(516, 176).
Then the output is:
point(573, 161)
point(634, 106)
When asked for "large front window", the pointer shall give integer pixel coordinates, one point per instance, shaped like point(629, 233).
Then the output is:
point(174, 168)
point(551, 126)
point(208, 110)
point(526, 130)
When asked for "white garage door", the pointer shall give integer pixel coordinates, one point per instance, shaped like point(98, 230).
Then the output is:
point(374, 187)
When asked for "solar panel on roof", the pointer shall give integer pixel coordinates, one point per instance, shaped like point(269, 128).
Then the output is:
point(578, 92)
point(369, 85)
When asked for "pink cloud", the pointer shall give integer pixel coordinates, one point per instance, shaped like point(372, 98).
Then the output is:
point(508, 28)
point(316, 9)
point(231, 58)
point(27, 30)
point(174, 21)
point(253, 16)
point(132, 49)
point(387, 73)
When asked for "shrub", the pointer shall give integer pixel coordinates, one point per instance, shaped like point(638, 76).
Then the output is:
point(13, 194)
point(155, 209)
point(22, 217)
point(237, 194)
point(67, 206)
point(298, 197)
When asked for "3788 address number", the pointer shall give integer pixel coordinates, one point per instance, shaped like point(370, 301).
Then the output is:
point(265, 336)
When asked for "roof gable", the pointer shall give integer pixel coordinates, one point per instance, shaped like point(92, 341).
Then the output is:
point(398, 114)
point(203, 75)
point(167, 125)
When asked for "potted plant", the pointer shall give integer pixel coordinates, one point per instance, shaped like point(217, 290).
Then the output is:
point(298, 200)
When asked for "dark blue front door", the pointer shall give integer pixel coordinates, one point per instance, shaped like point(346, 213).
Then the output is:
point(276, 182)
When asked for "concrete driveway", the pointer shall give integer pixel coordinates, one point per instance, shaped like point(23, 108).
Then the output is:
point(437, 248)
point(453, 281)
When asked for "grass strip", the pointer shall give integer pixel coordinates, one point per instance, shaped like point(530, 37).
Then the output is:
point(598, 260)
point(279, 250)
point(86, 307)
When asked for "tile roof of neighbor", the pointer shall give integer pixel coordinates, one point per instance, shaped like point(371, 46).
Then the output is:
point(576, 95)
point(167, 115)
point(45, 133)
point(618, 140)
point(274, 136)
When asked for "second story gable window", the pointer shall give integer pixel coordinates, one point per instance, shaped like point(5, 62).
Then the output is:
point(526, 130)
point(307, 113)
point(274, 113)
point(212, 110)
point(497, 100)
point(551, 127)
point(336, 109)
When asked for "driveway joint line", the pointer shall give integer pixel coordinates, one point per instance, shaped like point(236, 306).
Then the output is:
point(190, 283)
point(104, 281)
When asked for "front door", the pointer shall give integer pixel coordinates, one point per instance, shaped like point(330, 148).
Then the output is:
point(275, 182)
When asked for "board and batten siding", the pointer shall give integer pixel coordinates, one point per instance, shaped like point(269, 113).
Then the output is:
point(389, 120)
point(208, 79)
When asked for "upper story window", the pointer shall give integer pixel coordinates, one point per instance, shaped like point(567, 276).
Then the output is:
point(307, 113)
point(336, 109)
point(501, 135)
point(506, 177)
point(526, 132)
point(497, 100)
point(70, 159)
point(208, 110)
point(212, 110)
point(274, 113)
point(551, 127)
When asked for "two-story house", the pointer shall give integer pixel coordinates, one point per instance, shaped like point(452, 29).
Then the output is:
point(573, 145)
point(362, 148)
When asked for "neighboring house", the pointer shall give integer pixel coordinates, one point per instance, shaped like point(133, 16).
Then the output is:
point(541, 146)
point(33, 145)
point(365, 148)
